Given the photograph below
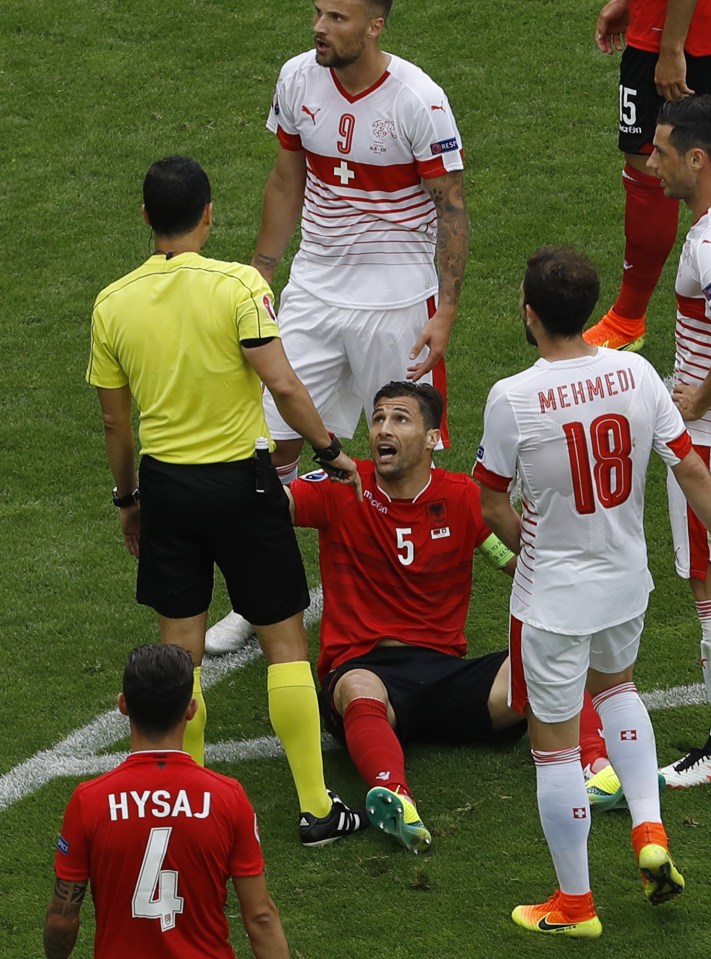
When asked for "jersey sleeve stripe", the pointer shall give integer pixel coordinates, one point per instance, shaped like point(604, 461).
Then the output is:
point(428, 169)
point(681, 446)
point(290, 141)
point(499, 484)
point(692, 307)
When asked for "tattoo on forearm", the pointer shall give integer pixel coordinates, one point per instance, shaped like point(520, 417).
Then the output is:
point(452, 240)
point(62, 922)
point(261, 261)
point(68, 897)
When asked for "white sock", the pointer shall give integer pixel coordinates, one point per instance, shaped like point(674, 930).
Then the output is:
point(565, 816)
point(288, 472)
point(703, 611)
point(629, 738)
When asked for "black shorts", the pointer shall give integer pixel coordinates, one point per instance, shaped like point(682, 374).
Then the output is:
point(639, 100)
point(193, 517)
point(435, 697)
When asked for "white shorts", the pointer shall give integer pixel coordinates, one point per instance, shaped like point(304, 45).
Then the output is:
point(691, 539)
point(343, 357)
point(549, 670)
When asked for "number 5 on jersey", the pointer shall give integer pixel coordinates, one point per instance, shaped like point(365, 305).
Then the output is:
point(405, 544)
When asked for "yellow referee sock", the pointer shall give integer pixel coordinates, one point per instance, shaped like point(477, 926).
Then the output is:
point(194, 735)
point(293, 710)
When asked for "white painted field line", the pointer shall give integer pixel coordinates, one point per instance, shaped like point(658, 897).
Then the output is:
point(694, 695)
point(80, 754)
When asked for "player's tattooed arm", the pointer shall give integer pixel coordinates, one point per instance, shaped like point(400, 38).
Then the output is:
point(447, 192)
point(265, 264)
point(452, 234)
point(61, 925)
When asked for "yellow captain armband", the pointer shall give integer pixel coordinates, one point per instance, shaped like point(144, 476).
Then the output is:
point(495, 552)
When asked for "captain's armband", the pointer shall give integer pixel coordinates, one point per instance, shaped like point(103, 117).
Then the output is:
point(496, 553)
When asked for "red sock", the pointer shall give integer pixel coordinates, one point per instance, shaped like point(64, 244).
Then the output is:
point(592, 742)
point(373, 745)
point(647, 832)
point(651, 222)
point(577, 908)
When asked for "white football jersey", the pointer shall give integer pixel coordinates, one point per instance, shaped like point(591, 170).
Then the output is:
point(579, 434)
point(693, 318)
point(368, 226)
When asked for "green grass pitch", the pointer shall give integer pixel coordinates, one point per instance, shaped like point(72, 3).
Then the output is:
point(93, 92)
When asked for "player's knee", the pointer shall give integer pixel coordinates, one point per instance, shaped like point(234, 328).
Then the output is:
point(502, 715)
point(357, 684)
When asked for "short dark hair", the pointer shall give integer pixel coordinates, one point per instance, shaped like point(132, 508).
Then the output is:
point(383, 7)
point(690, 120)
point(176, 191)
point(562, 286)
point(158, 686)
point(428, 398)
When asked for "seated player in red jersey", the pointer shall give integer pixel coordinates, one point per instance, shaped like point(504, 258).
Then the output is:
point(397, 574)
point(158, 838)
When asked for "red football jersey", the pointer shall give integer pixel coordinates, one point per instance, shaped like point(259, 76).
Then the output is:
point(392, 569)
point(158, 838)
point(647, 22)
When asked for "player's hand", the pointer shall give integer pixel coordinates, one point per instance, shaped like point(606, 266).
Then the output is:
point(689, 402)
point(347, 473)
point(131, 527)
point(670, 76)
point(435, 336)
point(612, 26)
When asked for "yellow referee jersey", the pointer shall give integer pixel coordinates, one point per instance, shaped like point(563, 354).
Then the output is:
point(171, 330)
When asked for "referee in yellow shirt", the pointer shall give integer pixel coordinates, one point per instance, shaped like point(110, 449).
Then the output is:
point(191, 340)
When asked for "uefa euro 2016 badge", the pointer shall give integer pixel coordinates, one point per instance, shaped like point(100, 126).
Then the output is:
point(316, 476)
point(269, 307)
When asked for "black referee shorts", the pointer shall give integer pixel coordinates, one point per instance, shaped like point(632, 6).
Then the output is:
point(639, 100)
point(436, 697)
point(196, 517)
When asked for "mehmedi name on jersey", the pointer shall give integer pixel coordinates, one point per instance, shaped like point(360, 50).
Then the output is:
point(585, 391)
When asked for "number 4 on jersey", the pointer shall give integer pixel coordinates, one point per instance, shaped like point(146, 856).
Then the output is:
point(167, 904)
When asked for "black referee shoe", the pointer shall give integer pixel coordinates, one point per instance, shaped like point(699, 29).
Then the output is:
point(340, 821)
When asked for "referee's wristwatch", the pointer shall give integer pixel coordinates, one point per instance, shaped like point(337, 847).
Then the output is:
point(328, 453)
point(122, 501)
point(326, 456)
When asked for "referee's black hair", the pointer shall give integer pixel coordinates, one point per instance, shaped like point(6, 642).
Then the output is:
point(690, 120)
point(429, 399)
point(562, 286)
point(176, 191)
point(158, 686)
